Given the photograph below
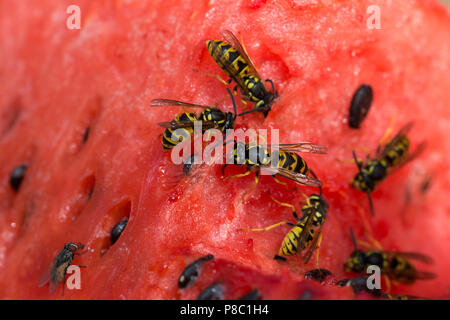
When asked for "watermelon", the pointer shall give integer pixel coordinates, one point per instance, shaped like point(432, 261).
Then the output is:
point(74, 111)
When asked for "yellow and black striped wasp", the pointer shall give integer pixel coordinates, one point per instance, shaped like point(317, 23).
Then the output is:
point(232, 58)
point(302, 234)
point(210, 117)
point(288, 163)
point(395, 265)
point(393, 155)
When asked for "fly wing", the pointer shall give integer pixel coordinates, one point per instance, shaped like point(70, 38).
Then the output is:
point(169, 102)
point(231, 39)
point(58, 276)
point(45, 276)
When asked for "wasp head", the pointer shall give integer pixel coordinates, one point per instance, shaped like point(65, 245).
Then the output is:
point(356, 262)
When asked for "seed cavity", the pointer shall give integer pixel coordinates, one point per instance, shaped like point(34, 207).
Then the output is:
point(9, 117)
point(86, 135)
point(17, 175)
point(88, 186)
point(113, 225)
point(192, 271)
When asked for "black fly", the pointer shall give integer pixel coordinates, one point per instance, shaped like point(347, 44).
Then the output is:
point(56, 271)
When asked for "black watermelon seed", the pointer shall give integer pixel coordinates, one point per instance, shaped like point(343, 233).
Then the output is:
point(16, 177)
point(191, 272)
point(252, 295)
point(317, 274)
point(213, 292)
point(86, 134)
point(117, 230)
point(360, 106)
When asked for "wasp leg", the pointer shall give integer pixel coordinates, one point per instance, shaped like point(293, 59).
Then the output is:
point(280, 182)
point(388, 283)
point(279, 258)
point(282, 223)
point(64, 283)
point(373, 243)
point(318, 250)
point(237, 175)
point(284, 204)
point(223, 169)
point(253, 186)
point(225, 82)
point(244, 104)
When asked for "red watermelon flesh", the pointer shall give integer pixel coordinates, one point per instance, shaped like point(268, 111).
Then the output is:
point(57, 82)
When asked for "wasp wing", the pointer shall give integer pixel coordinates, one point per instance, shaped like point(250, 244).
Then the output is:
point(294, 176)
point(231, 39)
point(169, 102)
point(307, 219)
point(394, 141)
point(180, 124)
point(312, 247)
point(411, 256)
point(304, 147)
point(425, 275)
point(420, 148)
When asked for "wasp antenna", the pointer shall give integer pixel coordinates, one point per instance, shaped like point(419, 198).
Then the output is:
point(275, 94)
point(315, 177)
point(234, 103)
point(358, 164)
point(250, 111)
point(372, 210)
point(355, 246)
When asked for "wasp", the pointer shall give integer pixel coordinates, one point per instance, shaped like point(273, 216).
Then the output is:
point(56, 271)
point(302, 234)
point(290, 165)
point(374, 170)
point(210, 117)
point(232, 58)
point(395, 265)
